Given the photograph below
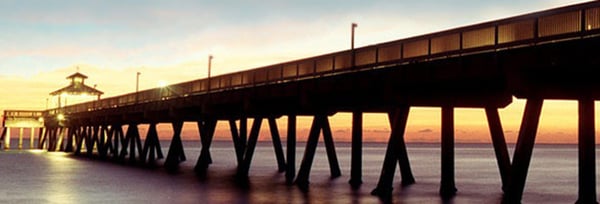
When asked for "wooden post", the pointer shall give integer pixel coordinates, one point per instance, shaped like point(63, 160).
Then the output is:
point(125, 144)
point(20, 146)
point(235, 137)
point(254, 132)
point(43, 138)
point(7, 139)
point(207, 132)
point(447, 187)
point(244, 132)
point(356, 163)
point(277, 144)
point(587, 152)
point(79, 137)
point(309, 154)
point(70, 135)
point(499, 143)
point(93, 139)
point(31, 138)
point(41, 133)
point(334, 165)
point(3, 134)
point(152, 149)
point(104, 141)
point(396, 151)
point(59, 142)
point(176, 154)
point(290, 172)
point(523, 150)
point(118, 137)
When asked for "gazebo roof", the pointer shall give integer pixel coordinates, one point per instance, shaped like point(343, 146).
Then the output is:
point(77, 87)
point(77, 74)
point(74, 89)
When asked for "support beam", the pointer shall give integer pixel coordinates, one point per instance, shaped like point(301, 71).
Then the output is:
point(31, 138)
point(93, 139)
point(3, 135)
point(104, 141)
point(276, 139)
point(396, 151)
point(290, 172)
point(20, 146)
point(235, 137)
point(176, 154)
point(356, 163)
point(320, 122)
point(108, 144)
point(152, 150)
point(499, 143)
point(41, 133)
point(43, 139)
point(244, 132)
point(309, 154)
point(523, 150)
point(447, 187)
point(118, 138)
point(7, 139)
point(207, 132)
point(587, 152)
point(70, 135)
point(243, 169)
point(79, 138)
point(334, 165)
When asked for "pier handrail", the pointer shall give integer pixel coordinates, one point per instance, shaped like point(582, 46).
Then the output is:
point(559, 24)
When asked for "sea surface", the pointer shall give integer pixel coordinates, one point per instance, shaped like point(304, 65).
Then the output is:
point(28, 176)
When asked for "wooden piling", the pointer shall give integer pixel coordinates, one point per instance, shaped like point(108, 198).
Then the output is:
point(276, 139)
point(499, 143)
point(396, 151)
point(235, 137)
point(356, 163)
point(243, 169)
point(334, 166)
point(320, 122)
point(152, 150)
point(309, 154)
point(447, 187)
point(20, 145)
point(587, 151)
point(7, 139)
point(523, 150)
point(118, 137)
point(31, 138)
point(176, 154)
point(207, 132)
point(290, 172)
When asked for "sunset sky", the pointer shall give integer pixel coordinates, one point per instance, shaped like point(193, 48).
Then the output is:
point(42, 42)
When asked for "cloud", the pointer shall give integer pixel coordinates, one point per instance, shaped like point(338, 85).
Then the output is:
point(425, 130)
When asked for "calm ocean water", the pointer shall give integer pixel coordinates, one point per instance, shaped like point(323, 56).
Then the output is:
point(42, 177)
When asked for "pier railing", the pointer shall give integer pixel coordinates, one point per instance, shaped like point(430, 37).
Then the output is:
point(566, 23)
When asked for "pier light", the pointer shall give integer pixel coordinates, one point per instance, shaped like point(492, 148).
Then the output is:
point(162, 83)
point(60, 117)
point(41, 119)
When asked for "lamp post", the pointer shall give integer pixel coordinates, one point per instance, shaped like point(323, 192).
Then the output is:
point(357, 120)
point(210, 57)
point(137, 86)
point(354, 25)
point(137, 82)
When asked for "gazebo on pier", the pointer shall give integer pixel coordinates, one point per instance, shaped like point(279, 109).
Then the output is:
point(76, 88)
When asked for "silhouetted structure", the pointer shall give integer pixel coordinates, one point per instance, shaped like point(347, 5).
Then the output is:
point(77, 87)
point(545, 55)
